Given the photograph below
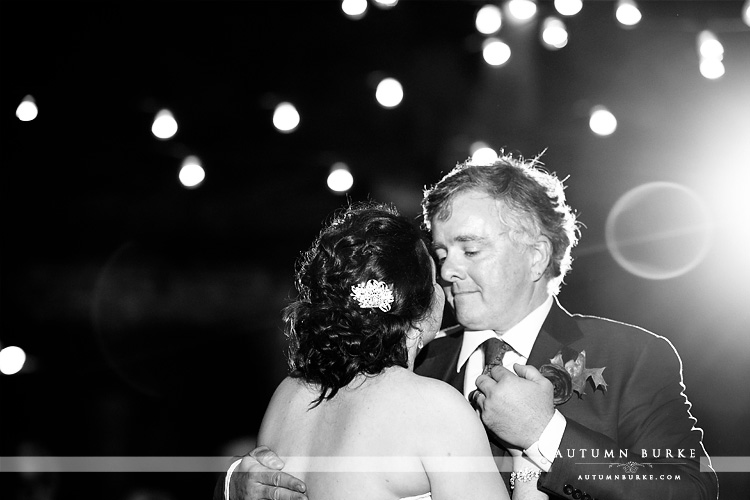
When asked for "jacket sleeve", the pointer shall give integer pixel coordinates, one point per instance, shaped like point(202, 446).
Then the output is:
point(664, 448)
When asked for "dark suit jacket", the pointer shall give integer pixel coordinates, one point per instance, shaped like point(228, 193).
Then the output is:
point(643, 410)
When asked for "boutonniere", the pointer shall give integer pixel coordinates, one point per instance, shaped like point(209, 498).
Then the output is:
point(571, 376)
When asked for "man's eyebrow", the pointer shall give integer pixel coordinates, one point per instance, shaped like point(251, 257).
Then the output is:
point(463, 238)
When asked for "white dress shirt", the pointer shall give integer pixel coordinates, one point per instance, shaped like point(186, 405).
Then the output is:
point(521, 338)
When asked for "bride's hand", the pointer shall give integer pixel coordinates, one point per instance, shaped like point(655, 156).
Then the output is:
point(525, 490)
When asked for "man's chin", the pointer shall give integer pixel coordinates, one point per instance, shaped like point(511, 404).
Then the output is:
point(470, 322)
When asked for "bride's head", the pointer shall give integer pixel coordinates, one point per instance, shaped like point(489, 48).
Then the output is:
point(366, 282)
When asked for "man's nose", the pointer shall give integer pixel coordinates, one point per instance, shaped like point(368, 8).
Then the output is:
point(450, 271)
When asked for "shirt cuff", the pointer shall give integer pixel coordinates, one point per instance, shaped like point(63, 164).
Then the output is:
point(543, 452)
point(229, 476)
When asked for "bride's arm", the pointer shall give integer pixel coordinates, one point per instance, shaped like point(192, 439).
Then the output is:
point(525, 478)
point(456, 454)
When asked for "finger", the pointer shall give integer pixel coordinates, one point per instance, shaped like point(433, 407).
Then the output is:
point(267, 458)
point(484, 383)
point(474, 398)
point(498, 372)
point(479, 400)
point(274, 493)
point(280, 480)
point(528, 372)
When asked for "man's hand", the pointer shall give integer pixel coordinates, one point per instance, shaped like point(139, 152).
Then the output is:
point(259, 476)
point(515, 408)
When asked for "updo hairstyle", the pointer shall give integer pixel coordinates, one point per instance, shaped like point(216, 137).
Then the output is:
point(332, 339)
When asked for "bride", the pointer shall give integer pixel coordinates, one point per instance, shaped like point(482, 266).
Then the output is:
point(352, 420)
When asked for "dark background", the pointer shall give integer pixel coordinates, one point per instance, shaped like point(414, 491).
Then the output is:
point(151, 313)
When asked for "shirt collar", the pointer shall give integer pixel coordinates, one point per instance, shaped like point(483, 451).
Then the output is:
point(520, 337)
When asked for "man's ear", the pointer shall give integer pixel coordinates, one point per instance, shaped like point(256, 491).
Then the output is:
point(541, 256)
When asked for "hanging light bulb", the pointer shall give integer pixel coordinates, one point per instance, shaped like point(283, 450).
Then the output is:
point(554, 34)
point(164, 125)
point(602, 122)
point(495, 52)
point(522, 10)
point(711, 54)
point(489, 19)
point(354, 9)
point(627, 12)
point(568, 7)
point(27, 110)
point(709, 46)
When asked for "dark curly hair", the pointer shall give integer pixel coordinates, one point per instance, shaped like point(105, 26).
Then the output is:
point(332, 339)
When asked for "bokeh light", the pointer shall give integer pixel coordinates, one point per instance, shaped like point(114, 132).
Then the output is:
point(482, 154)
point(165, 125)
point(568, 7)
point(286, 117)
point(521, 10)
point(389, 93)
point(659, 230)
point(554, 34)
point(602, 121)
point(627, 13)
point(340, 179)
point(12, 359)
point(709, 46)
point(711, 54)
point(27, 110)
point(385, 4)
point(354, 9)
point(495, 52)
point(489, 19)
point(712, 69)
point(191, 173)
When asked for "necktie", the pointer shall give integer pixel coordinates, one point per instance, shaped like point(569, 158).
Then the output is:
point(494, 350)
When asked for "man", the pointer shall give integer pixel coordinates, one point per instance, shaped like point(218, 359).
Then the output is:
point(502, 235)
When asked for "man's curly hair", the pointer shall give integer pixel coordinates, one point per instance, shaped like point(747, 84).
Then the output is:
point(332, 339)
point(534, 204)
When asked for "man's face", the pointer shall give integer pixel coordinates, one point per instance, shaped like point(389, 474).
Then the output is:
point(488, 279)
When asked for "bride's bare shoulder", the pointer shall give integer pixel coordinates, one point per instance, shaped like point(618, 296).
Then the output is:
point(428, 394)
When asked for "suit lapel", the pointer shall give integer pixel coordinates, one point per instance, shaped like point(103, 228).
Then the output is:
point(439, 359)
point(558, 332)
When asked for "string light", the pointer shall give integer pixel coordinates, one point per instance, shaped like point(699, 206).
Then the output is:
point(191, 173)
point(286, 117)
point(495, 52)
point(389, 93)
point(354, 9)
point(554, 34)
point(522, 10)
point(482, 154)
point(489, 19)
point(27, 110)
point(12, 359)
point(711, 54)
point(385, 4)
point(568, 7)
point(340, 179)
point(164, 126)
point(602, 121)
point(627, 12)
